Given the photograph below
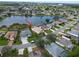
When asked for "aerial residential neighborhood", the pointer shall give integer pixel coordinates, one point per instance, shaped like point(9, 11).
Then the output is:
point(29, 29)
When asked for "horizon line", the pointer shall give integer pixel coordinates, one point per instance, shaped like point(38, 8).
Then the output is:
point(44, 1)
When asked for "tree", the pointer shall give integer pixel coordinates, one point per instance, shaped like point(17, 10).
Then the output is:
point(5, 51)
point(1, 18)
point(73, 41)
point(9, 52)
point(40, 43)
point(47, 8)
point(29, 25)
point(9, 14)
point(25, 52)
point(14, 52)
point(51, 37)
point(47, 20)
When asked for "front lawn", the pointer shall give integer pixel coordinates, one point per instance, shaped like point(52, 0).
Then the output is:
point(3, 41)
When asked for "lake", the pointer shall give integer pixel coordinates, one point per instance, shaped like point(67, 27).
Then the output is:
point(36, 20)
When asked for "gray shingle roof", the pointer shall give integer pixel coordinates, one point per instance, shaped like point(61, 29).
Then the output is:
point(25, 32)
point(56, 50)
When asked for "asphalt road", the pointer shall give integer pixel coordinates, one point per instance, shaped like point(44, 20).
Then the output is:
point(20, 46)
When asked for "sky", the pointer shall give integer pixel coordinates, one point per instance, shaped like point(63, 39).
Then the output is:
point(52, 1)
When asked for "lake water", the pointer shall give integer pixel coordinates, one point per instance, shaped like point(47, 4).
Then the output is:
point(36, 20)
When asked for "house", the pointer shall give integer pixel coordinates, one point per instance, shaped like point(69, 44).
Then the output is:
point(74, 34)
point(11, 35)
point(56, 50)
point(65, 42)
point(25, 32)
point(63, 20)
point(36, 29)
point(57, 22)
point(45, 27)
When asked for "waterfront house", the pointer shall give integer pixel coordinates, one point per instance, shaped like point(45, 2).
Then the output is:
point(45, 27)
point(36, 29)
point(11, 35)
point(63, 20)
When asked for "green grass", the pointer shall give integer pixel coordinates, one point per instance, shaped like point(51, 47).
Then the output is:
point(3, 41)
point(17, 42)
point(48, 31)
point(3, 29)
point(33, 37)
point(57, 27)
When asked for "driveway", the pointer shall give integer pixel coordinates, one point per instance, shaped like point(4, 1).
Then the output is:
point(24, 41)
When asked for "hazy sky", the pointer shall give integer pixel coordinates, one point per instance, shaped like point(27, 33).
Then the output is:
point(53, 1)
